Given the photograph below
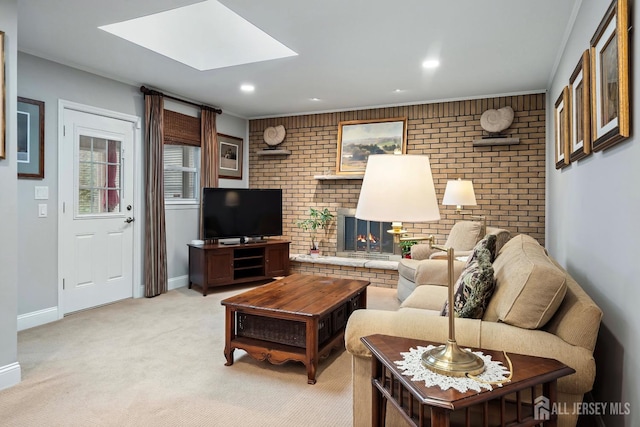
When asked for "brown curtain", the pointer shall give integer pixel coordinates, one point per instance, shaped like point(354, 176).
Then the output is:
point(155, 251)
point(208, 153)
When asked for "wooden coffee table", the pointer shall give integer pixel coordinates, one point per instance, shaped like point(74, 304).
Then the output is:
point(299, 318)
point(431, 406)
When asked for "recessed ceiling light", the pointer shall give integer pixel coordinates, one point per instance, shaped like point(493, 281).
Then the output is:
point(398, 90)
point(431, 63)
point(315, 99)
point(247, 88)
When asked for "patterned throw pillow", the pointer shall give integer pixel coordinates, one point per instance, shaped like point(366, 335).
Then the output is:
point(487, 242)
point(474, 287)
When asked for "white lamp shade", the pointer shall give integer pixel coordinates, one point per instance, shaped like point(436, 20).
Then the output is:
point(459, 193)
point(398, 188)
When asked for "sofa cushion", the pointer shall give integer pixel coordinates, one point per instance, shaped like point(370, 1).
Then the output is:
point(407, 268)
point(529, 286)
point(474, 286)
point(427, 297)
point(577, 320)
point(464, 235)
point(502, 237)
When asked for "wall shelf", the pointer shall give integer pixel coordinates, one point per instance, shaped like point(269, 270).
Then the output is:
point(495, 141)
point(337, 177)
point(273, 152)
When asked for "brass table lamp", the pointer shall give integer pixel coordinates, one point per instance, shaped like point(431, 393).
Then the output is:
point(450, 359)
point(400, 188)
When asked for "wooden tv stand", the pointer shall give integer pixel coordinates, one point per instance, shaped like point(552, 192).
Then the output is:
point(216, 264)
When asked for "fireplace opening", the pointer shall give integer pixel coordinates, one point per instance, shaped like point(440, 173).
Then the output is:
point(364, 239)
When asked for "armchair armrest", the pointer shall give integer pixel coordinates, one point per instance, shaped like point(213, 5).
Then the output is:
point(456, 254)
point(422, 251)
point(435, 272)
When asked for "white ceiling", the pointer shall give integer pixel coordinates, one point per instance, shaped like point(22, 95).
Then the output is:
point(352, 53)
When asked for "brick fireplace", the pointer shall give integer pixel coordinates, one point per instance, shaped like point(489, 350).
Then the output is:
point(508, 179)
point(358, 238)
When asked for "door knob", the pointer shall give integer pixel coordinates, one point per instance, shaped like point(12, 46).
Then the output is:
point(129, 220)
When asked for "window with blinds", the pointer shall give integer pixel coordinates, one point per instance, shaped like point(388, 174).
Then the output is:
point(181, 158)
point(181, 179)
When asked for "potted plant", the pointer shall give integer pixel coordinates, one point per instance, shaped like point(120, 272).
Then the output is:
point(318, 220)
point(405, 247)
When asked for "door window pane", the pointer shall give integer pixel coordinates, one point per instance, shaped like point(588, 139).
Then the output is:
point(99, 175)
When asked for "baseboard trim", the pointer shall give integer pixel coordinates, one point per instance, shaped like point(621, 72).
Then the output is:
point(10, 375)
point(37, 318)
point(48, 315)
point(178, 282)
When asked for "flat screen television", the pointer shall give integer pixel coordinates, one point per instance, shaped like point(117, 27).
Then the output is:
point(241, 213)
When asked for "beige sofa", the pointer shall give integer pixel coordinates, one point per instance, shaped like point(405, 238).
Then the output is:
point(537, 309)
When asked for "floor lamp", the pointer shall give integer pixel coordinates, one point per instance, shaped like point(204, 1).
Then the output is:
point(399, 188)
point(460, 193)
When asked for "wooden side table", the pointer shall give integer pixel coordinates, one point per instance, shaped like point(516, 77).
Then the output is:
point(431, 406)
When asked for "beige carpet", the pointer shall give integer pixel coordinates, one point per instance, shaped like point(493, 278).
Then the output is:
point(160, 362)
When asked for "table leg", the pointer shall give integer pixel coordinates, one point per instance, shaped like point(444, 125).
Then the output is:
point(550, 390)
point(311, 350)
point(377, 400)
point(229, 334)
point(440, 417)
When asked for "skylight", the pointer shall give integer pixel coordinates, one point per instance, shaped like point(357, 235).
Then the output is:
point(204, 36)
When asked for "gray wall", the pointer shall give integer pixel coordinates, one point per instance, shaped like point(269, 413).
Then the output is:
point(48, 81)
point(8, 197)
point(593, 229)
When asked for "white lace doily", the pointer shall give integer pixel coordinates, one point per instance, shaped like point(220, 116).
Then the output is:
point(412, 367)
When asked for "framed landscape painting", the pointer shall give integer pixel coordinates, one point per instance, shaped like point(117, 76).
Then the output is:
point(610, 119)
point(580, 110)
point(561, 129)
point(30, 138)
point(230, 161)
point(357, 139)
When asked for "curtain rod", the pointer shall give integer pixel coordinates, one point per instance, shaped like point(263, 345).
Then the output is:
point(148, 91)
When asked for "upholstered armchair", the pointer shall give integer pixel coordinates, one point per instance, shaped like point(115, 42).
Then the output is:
point(462, 238)
point(426, 263)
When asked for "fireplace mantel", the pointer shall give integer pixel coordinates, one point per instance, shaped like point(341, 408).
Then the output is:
point(347, 261)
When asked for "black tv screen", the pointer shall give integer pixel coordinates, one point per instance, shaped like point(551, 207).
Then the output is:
point(241, 212)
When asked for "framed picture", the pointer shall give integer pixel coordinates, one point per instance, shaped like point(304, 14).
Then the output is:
point(610, 119)
point(357, 139)
point(3, 152)
point(580, 110)
point(561, 129)
point(230, 161)
point(30, 138)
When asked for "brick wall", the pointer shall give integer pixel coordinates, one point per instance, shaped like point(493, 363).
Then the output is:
point(509, 180)
point(377, 277)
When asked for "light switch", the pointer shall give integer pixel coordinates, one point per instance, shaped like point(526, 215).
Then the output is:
point(42, 210)
point(42, 193)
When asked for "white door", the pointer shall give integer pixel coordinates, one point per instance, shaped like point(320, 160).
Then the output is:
point(96, 181)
